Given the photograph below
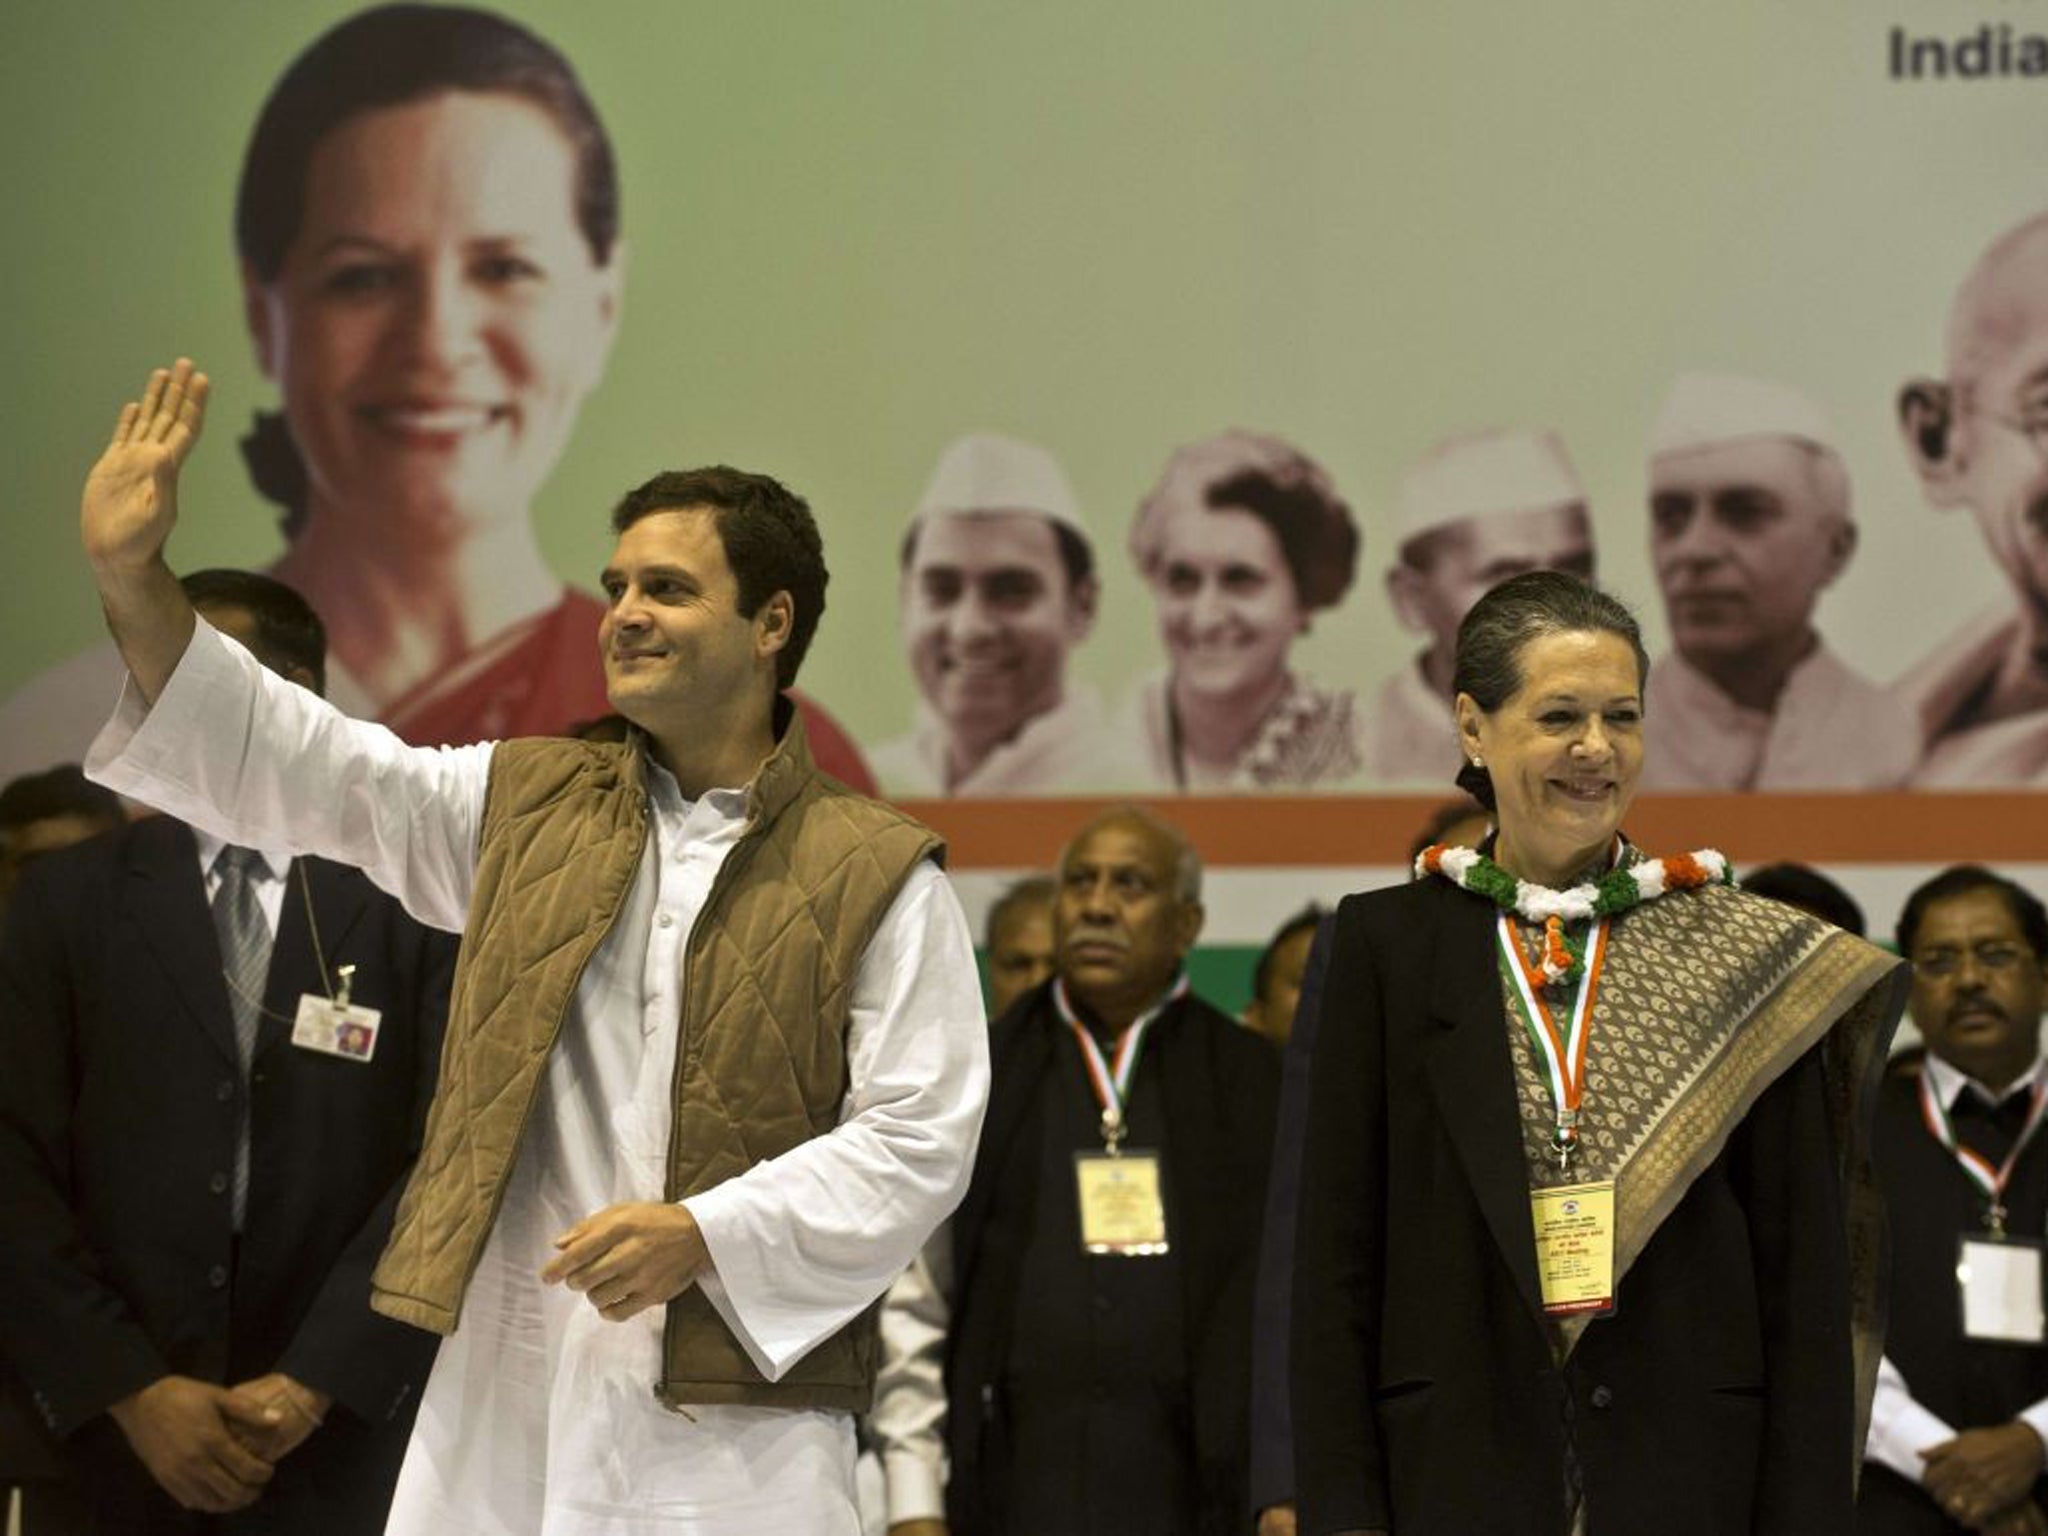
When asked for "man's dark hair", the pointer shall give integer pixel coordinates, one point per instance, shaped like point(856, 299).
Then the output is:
point(1961, 880)
point(1441, 820)
point(60, 791)
point(388, 56)
point(1521, 609)
point(771, 542)
point(1303, 921)
point(1032, 888)
point(1077, 555)
point(288, 632)
point(1801, 886)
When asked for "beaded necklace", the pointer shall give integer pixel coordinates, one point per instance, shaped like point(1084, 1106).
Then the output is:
point(1628, 884)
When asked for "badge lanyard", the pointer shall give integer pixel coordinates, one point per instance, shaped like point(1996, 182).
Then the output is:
point(1991, 1181)
point(1112, 1079)
point(1562, 1054)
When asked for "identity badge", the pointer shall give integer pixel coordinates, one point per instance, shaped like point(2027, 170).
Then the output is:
point(336, 1029)
point(1574, 1227)
point(1122, 1208)
point(1999, 1280)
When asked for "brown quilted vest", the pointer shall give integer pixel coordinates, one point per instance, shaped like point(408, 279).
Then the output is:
point(769, 973)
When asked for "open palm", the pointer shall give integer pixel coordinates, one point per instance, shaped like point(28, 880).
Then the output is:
point(131, 496)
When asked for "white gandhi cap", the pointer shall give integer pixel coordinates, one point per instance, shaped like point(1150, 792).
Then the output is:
point(987, 472)
point(1704, 410)
point(1487, 474)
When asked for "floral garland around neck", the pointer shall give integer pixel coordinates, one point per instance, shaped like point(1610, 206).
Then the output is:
point(1628, 884)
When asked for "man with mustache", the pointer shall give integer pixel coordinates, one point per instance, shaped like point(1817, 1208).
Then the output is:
point(998, 587)
point(1979, 439)
point(1081, 1373)
point(1749, 524)
point(1956, 1433)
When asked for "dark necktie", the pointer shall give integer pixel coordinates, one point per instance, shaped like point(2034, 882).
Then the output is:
point(245, 965)
point(1990, 1130)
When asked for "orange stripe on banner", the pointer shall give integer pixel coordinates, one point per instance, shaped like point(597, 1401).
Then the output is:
point(1345, 830)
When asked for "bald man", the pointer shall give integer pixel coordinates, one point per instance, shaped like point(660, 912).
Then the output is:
point(1979, 439)
point(1079, 1343)
point(1475, 511)
point(1749, 524)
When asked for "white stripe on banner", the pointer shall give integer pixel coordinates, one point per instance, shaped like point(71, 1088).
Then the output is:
point(1246, 903)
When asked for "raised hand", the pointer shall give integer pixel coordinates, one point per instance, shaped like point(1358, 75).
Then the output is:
point(131, 496)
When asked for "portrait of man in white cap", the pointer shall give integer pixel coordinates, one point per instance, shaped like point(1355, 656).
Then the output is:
point(998, 587)
point(1476, 510)
point(1749, 523)
point(1979, 439)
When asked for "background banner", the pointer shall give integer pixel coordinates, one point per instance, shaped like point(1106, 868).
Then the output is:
point(1215, 357)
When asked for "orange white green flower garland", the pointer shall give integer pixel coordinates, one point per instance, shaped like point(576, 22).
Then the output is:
point(1626, 885)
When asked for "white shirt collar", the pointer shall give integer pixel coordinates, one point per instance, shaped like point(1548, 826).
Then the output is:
point(1950, 1081)
point(276, 860)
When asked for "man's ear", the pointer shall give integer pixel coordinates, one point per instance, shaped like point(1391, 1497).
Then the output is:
point(1927, 424)
point(1841, 549)
point(256, 315)
point(1188, 926)
point(1081, 608)
point(1404, 591)
point(774, 624)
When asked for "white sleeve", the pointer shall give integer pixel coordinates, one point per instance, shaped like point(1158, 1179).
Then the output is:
point(909, 1418)
point(2035, 1417)
point(1900, 1428)
point(802, 1242)
point(242, 753)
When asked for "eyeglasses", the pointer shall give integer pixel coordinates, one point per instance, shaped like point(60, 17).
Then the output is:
point(1994, 958)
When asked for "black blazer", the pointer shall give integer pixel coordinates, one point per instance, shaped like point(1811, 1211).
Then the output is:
point(1219, 1081)
point(1716, 1400)
point(1272, 1464)
point(118, 1106)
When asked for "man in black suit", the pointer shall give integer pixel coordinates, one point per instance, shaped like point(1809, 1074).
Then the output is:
point(1956, 1432)
point(1095, 1375)
point(193, 1188)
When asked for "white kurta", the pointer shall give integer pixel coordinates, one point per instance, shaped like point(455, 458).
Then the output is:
point(1414, 733)
point(1068, 749)
point(1963, 752)
point(1832, 730)
point(540, 1417)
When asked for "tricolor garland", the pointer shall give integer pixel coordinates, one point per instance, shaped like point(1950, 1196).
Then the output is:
point(1622, 887)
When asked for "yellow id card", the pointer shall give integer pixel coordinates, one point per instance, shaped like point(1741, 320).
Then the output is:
point(1122, 1210)
point(1575, 1247)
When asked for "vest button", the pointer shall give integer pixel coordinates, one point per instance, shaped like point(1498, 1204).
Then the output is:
point(224, 1090)
point(218, 1183)
point(217, 1277)
point(1601, 1397)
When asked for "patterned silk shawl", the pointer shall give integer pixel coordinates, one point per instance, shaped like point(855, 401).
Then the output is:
point(1705, 998)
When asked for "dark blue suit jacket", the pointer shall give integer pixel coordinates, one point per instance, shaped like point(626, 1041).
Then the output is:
point(119, 1102)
